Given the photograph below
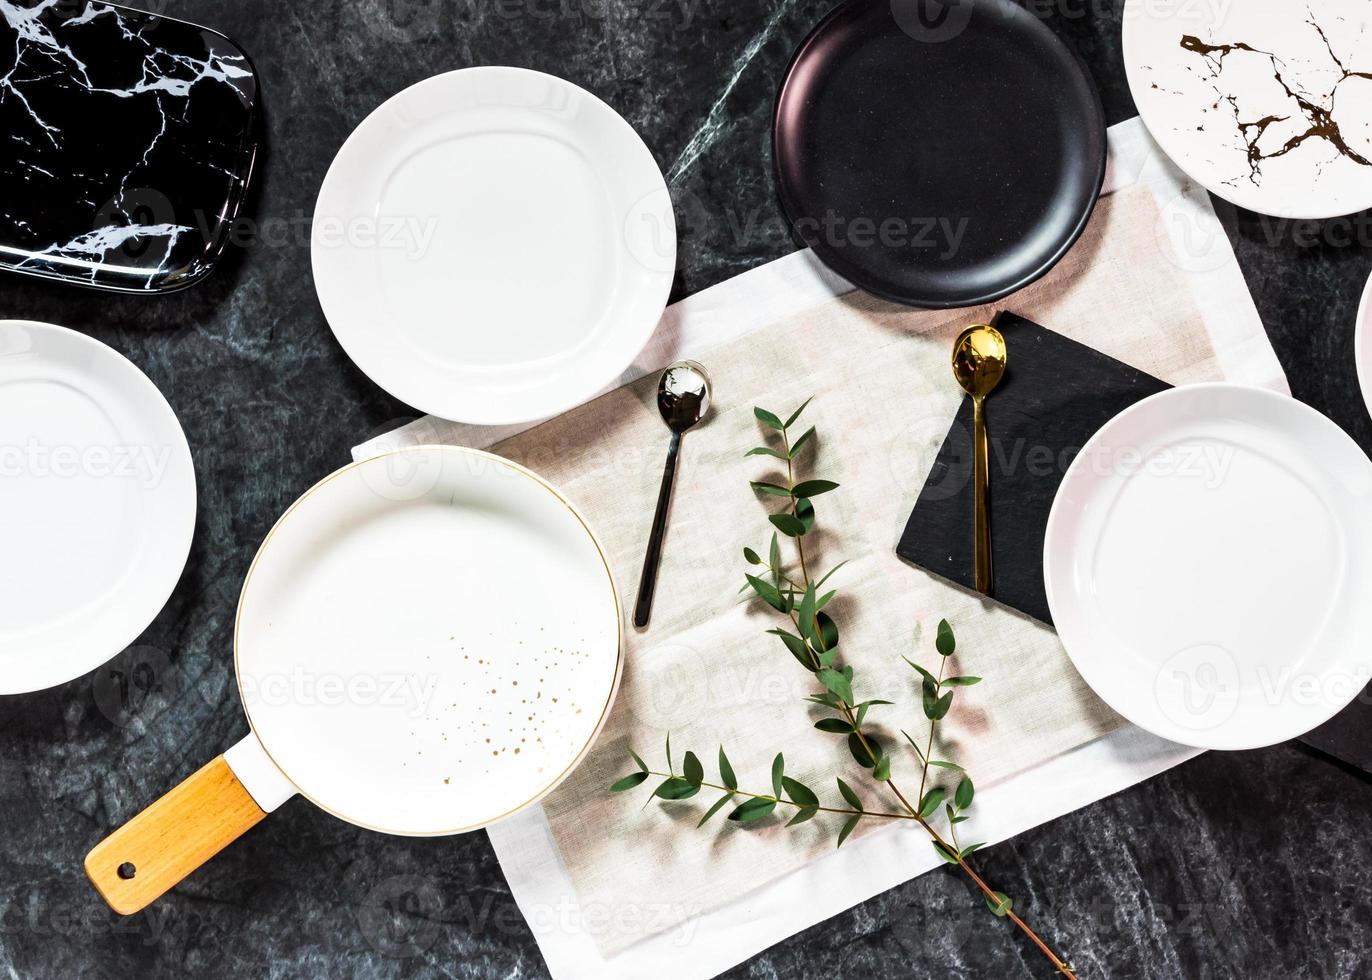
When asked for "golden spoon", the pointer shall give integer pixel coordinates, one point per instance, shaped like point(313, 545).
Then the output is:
point(978, 364)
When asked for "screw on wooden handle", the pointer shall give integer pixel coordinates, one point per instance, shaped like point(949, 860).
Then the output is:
point(154, 851)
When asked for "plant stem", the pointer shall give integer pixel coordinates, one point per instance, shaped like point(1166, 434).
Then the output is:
point(929, 746)
point(798, 806)
point(848, 714)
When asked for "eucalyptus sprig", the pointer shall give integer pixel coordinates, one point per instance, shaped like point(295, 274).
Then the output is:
point(813, 640)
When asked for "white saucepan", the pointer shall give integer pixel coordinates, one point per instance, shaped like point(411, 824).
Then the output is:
point(426, 642)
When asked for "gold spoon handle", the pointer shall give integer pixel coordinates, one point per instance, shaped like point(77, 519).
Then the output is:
point(981, 483)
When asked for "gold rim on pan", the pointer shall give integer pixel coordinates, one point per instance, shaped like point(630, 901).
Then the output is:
point(619, 636)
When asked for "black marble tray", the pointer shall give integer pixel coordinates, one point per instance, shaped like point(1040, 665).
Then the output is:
point(130, 141)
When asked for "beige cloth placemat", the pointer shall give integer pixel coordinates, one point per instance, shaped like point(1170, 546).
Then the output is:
point(707, 672)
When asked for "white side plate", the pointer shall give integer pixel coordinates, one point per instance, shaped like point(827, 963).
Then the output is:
point(493, 245)
point(1261, 101)
point(97, 504)
point(1208, 561)
point(428, 641)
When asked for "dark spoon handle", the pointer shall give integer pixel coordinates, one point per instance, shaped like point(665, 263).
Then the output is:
point(647, 584)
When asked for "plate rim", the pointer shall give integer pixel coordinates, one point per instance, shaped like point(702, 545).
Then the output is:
point(611, 697)
point(1053, 534)
point(158, 403)
point(1180, 160)
point(1098, 126)
point(467, 413)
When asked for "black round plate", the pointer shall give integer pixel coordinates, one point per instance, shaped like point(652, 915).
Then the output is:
point(939, 153)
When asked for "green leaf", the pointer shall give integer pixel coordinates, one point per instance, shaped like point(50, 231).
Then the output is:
point(788, 524)
point(836, 682)
point(813, 488)
point(931, 802)
point(970, 848)
point(936, 708)
point(862, 709)
point(848, 828)
point(827, 630)
point(796, 414)
point(805, 616)
point(961, 681)
point(962, 796)
point(806, 512)
point(726, 771)
point(945, 642)
point(800, 443)
point(753, 810)
point(1000, 906)
point(769, 594)
point(669, 753)
point(768, 419)
point(676, 788)
point(766, 451)
point(944, 853)
point(642, 766)
point(820, 583)
point(928, 677)
point(692, 769)
point(941, 764)
point(918, 751)
point(774, 553)
point(836, 726)
point(799, 792)
point(629, 782)
point(778, 768)
point(882, 772)
point(827, 699)
point(751, 557)
point(859, 751)
point(797, 647)
point(771, 489)
point(802, 815)
point(849, 797)
point(718, 805)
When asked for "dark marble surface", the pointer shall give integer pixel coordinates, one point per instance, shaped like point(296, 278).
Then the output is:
point(1249, 865)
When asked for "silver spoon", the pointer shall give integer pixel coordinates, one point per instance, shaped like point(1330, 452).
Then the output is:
point(683, 398)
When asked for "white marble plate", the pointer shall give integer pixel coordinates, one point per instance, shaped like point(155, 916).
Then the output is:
point(97, 504)
point(1267, 103)
point(493, 245)
point(1208, 560)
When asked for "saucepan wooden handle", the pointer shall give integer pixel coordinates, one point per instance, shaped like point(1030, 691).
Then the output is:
point(192, 823)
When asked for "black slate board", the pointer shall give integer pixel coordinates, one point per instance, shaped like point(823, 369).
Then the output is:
point(1055, 395)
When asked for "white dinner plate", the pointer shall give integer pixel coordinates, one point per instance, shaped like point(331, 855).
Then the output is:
point(97, 504)
point(493, 245)
point(1208, 562)
point(1362, 344)
point(1264, 102)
